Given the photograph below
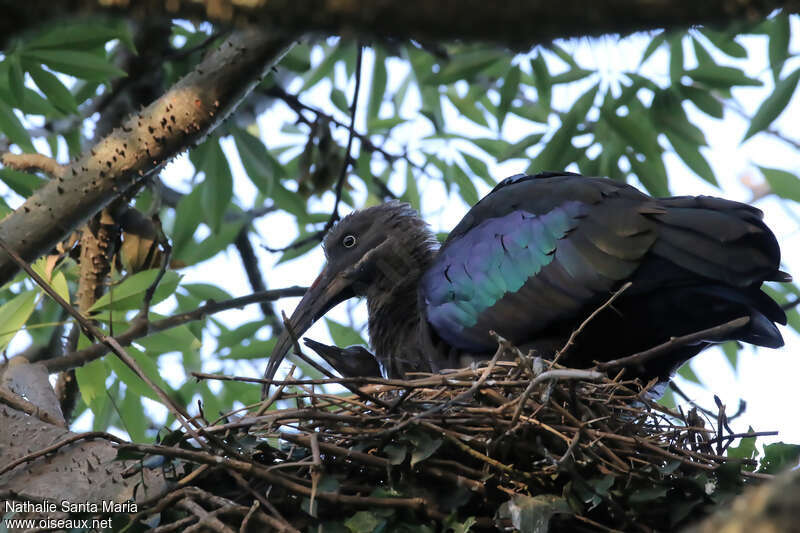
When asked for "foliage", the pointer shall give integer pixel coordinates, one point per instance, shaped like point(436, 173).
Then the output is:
point(410, 135)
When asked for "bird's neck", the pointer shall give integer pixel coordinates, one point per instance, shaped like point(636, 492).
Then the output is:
point(395, 316)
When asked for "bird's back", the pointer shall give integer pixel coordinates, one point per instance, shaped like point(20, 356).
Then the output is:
point(539, 253)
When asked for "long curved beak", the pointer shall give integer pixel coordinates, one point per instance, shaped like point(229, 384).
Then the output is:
point(328, 290)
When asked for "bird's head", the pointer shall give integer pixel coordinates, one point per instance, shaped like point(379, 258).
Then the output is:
point(369, 251)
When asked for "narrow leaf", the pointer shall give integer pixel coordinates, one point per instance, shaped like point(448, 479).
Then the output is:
point(774, 105)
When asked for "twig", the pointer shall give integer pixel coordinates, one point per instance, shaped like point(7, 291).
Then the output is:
point(180, 414)
point(33, 163)
point(91, 435)
point(142, 327)
point(348, 159)
point(591, 317)
point(674, 342)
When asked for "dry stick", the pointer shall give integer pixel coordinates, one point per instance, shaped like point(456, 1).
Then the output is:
point(54, 447)
point(244, 467)
point(142, 328)
point(674, 342)
point(19, 403)
point(306, 442)
point(596, 312)
point(180, 414)
point(566, 373)
point(281, 524)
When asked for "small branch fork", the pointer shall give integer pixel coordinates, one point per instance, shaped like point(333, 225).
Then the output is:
point(348, 159)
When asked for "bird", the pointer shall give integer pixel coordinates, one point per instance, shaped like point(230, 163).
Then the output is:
point(532, 261)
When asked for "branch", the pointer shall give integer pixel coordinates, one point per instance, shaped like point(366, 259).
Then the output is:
point(517, 24)
point(33, 163)
point(675, 342)
point(187, 113)
point(317, 236)
point(143, 328)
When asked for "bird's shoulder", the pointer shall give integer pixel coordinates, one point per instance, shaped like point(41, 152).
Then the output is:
point(541, 193)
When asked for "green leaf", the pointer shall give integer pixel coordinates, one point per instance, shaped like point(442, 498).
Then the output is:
point(637, 131)
point(217, 187)
point(16, 80)
point(466, 189)
point(21, 183)
point(731, 351)
point(256, 159)
point(493, 147)
point(745, 450)
point(82, 35)
point(703, 57)
point(53, 89)
point(255, 349)
point(91, 379)
point(13, 315)
point(508, 92)
point(235, 336)
point(652, 174)
point(467, 106)
point(676, 58)
point(571, 76)
point(297, 59)
point(432, 106)
point(703, 100)
point(178, 339)
point(687, 373)
point(339, 99)
point(134, 420)
point(381, 125)
point(378, 90)
point(84, 65)
point(411, 195)
point(188, 216)
point(128, 294)
point(13, 128)
point(344, 335)
point(721, 77)
point(543, 81)
point(289, 201)
point(324, 69)
point(778, 457)
point(518, 148)
point(783, 183)
point(479, 169)
point(726, 43)
point(211, 245)
point(779, 36)
point(148, 365)
point(363, 522)
point(206, 292)
point(690, 155)
point(652, 46)
point(293, 253)
point(424, 446)
point(558, 150)
point(774, 105)
point(464, 66)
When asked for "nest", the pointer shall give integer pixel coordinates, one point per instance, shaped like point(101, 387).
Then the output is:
point(506, 445)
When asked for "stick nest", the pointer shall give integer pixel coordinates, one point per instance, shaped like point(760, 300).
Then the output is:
point(508, 445)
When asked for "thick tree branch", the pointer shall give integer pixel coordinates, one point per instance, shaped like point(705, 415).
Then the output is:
point(518, 24)
point(145, 142)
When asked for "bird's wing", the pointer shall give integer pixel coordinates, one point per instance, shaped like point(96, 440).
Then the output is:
point(541, 249)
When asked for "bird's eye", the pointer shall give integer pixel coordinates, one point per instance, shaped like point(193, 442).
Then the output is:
point(348, 241)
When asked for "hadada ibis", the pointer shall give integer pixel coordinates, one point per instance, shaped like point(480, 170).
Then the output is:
point(533, 259)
